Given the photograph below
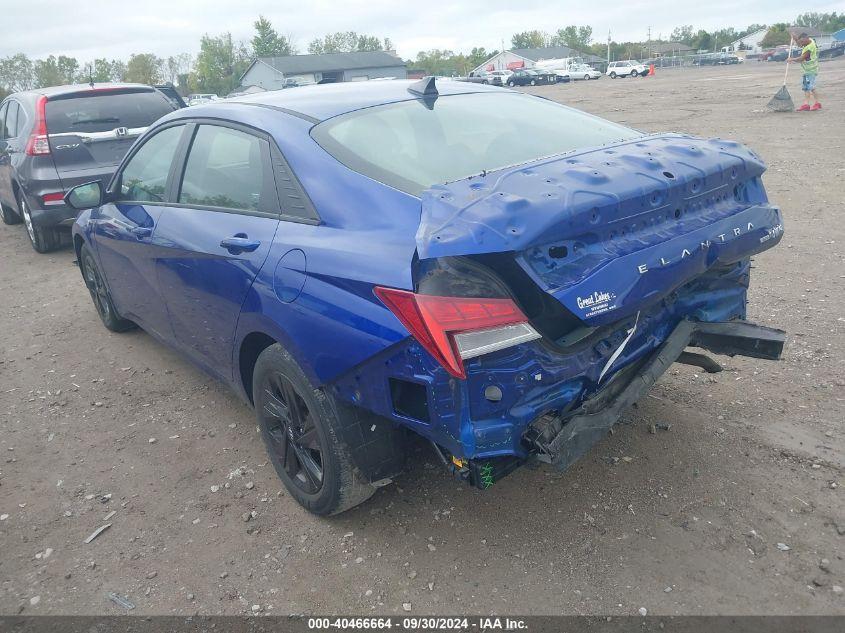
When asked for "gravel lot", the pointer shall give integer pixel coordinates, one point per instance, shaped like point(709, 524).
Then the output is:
point(731, 511)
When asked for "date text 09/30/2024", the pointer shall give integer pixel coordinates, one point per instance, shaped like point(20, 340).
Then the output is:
point(419, 623)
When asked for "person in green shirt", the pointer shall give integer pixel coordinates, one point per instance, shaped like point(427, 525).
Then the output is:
point(809, 60)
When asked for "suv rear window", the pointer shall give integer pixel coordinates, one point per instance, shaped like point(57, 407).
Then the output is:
point(105, 111)
point(410, 147)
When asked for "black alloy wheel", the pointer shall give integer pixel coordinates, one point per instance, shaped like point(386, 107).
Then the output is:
point(291, 434)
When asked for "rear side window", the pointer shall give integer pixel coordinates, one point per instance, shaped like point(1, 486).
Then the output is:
point(144, 179)
point(12, 120)
point(21, 122)
point(3, 110)
point(105, 111)
point(224, 169)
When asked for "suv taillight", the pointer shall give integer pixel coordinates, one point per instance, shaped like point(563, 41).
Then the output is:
point(38, 143)
point(453, 329)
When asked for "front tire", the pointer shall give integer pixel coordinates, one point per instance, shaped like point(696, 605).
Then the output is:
point(301, 428)
point(43, 239)
point(100, 293)
point(510, 84)
point(586, 78)
point(634, 73)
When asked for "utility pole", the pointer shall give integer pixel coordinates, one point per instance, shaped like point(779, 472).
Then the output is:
point(648, 43)
point(608, 47)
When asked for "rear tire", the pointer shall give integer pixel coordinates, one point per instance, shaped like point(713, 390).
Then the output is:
point(43, 239)
point(9, 216)
point(302, 429)
point(533, 82)
point(100, 293)
point(510, 84)
point(613, 75)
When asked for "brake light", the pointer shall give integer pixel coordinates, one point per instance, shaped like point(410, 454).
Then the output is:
point(53, 198)
point(38, 143)
point(453, 329)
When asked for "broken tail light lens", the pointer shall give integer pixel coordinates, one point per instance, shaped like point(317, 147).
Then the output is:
point(38, 143)
point(453, 329)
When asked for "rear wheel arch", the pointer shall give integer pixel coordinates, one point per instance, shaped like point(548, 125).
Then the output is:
point(250, 349)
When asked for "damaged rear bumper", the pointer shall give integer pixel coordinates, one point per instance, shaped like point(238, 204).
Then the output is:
point(561, 440)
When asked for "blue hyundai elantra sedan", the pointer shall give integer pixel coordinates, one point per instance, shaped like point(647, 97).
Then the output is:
point(367, 263)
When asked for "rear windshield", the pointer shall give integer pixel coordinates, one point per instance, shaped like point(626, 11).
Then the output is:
point(410, 147)
point(105, 111)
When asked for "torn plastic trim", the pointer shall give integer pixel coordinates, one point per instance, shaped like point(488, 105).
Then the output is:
point(580, 430)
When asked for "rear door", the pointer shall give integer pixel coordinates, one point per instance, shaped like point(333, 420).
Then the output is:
point(91, 131)
point(123, 230)
point(211, 243)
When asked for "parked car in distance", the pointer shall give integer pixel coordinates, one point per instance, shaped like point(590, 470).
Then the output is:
point(298, 82)
point(562, 76)
point(477, 77)
point(583, 71)
point(201, 98)
point(837, 49)
point(52, 139)
point(726, 59)
point(626, 68)
point(500, 77)
point(781, 54)
point(529, 77)
point(169, 91)
point(242, 235)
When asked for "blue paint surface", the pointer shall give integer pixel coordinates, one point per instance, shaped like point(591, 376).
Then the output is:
point(615, 234)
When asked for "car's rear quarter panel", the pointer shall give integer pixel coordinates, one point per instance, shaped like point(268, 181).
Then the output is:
point(365, 237)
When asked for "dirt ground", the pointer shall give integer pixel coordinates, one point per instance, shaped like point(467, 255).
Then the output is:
point(731, 511)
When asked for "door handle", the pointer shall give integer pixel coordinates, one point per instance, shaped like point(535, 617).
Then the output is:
point(239, 243)
point(141, 231)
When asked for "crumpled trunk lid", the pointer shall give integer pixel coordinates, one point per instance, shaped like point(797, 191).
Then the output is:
point(608, 231)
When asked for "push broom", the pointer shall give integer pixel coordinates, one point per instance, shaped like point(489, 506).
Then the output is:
point(782, 102)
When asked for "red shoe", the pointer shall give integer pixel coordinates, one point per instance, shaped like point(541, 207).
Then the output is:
point(803, 108)
point(816, 106)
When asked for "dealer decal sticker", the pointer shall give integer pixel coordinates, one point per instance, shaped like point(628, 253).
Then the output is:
point(597, 303)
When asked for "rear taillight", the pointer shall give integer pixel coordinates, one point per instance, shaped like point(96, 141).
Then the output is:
point(453, 329)
point(53, 198)
point(38, 143)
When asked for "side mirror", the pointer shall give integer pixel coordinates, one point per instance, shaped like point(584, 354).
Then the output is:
point(85, 196)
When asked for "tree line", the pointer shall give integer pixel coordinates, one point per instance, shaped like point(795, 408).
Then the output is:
point(222, 61)
point(580, 38)
point(217, 67)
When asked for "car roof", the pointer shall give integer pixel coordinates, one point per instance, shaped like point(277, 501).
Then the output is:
point(59, 91)
point(323, 101)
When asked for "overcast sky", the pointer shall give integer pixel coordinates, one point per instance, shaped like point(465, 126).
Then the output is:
point(88, 29)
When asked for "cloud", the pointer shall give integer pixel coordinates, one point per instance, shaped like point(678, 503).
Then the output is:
point(88, 29)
